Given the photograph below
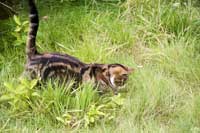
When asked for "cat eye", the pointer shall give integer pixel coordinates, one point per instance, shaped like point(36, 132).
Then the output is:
point(104, 69)
point(124, 75)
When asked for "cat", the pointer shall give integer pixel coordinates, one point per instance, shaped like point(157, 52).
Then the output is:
point(66, 67)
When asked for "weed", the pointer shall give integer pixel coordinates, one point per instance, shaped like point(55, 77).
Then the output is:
point(20, 32)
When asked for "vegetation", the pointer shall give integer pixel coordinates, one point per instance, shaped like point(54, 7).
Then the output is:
point(163, 95)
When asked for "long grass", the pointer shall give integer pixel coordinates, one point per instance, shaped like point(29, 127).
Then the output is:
point(162, 95)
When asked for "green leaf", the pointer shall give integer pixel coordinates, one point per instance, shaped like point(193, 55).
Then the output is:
point(35, 94)
point(24, 81)
point(60, 120)
point(5, 98)
point(25, 23)
point(9, 86)
point(111, 117)
point(14, 34)
point(18, 29)
point(118, 100)
point(101, 113)
point(33, 83)
point(17, 20)
point(67, 116)
point(92, 119)
point(101, 106)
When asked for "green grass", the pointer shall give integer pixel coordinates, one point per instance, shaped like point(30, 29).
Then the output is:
point(162, 96)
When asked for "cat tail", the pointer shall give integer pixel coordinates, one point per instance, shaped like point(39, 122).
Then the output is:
point(33, 27)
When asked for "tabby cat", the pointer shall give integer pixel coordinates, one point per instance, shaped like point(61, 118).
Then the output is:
point(65, 67)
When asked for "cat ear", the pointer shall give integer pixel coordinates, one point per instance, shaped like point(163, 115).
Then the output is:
point(130, 70)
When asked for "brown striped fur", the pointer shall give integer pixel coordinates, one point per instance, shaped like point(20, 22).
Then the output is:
point(65, 67)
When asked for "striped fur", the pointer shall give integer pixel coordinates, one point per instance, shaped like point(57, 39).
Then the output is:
point(65, 67)
point(33, 27)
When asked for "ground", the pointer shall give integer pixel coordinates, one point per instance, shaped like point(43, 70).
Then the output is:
point(160, 39)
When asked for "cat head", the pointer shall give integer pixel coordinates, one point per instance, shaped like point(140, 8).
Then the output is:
point(109, 75)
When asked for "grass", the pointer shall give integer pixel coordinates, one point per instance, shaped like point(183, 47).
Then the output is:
point(163, 95)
